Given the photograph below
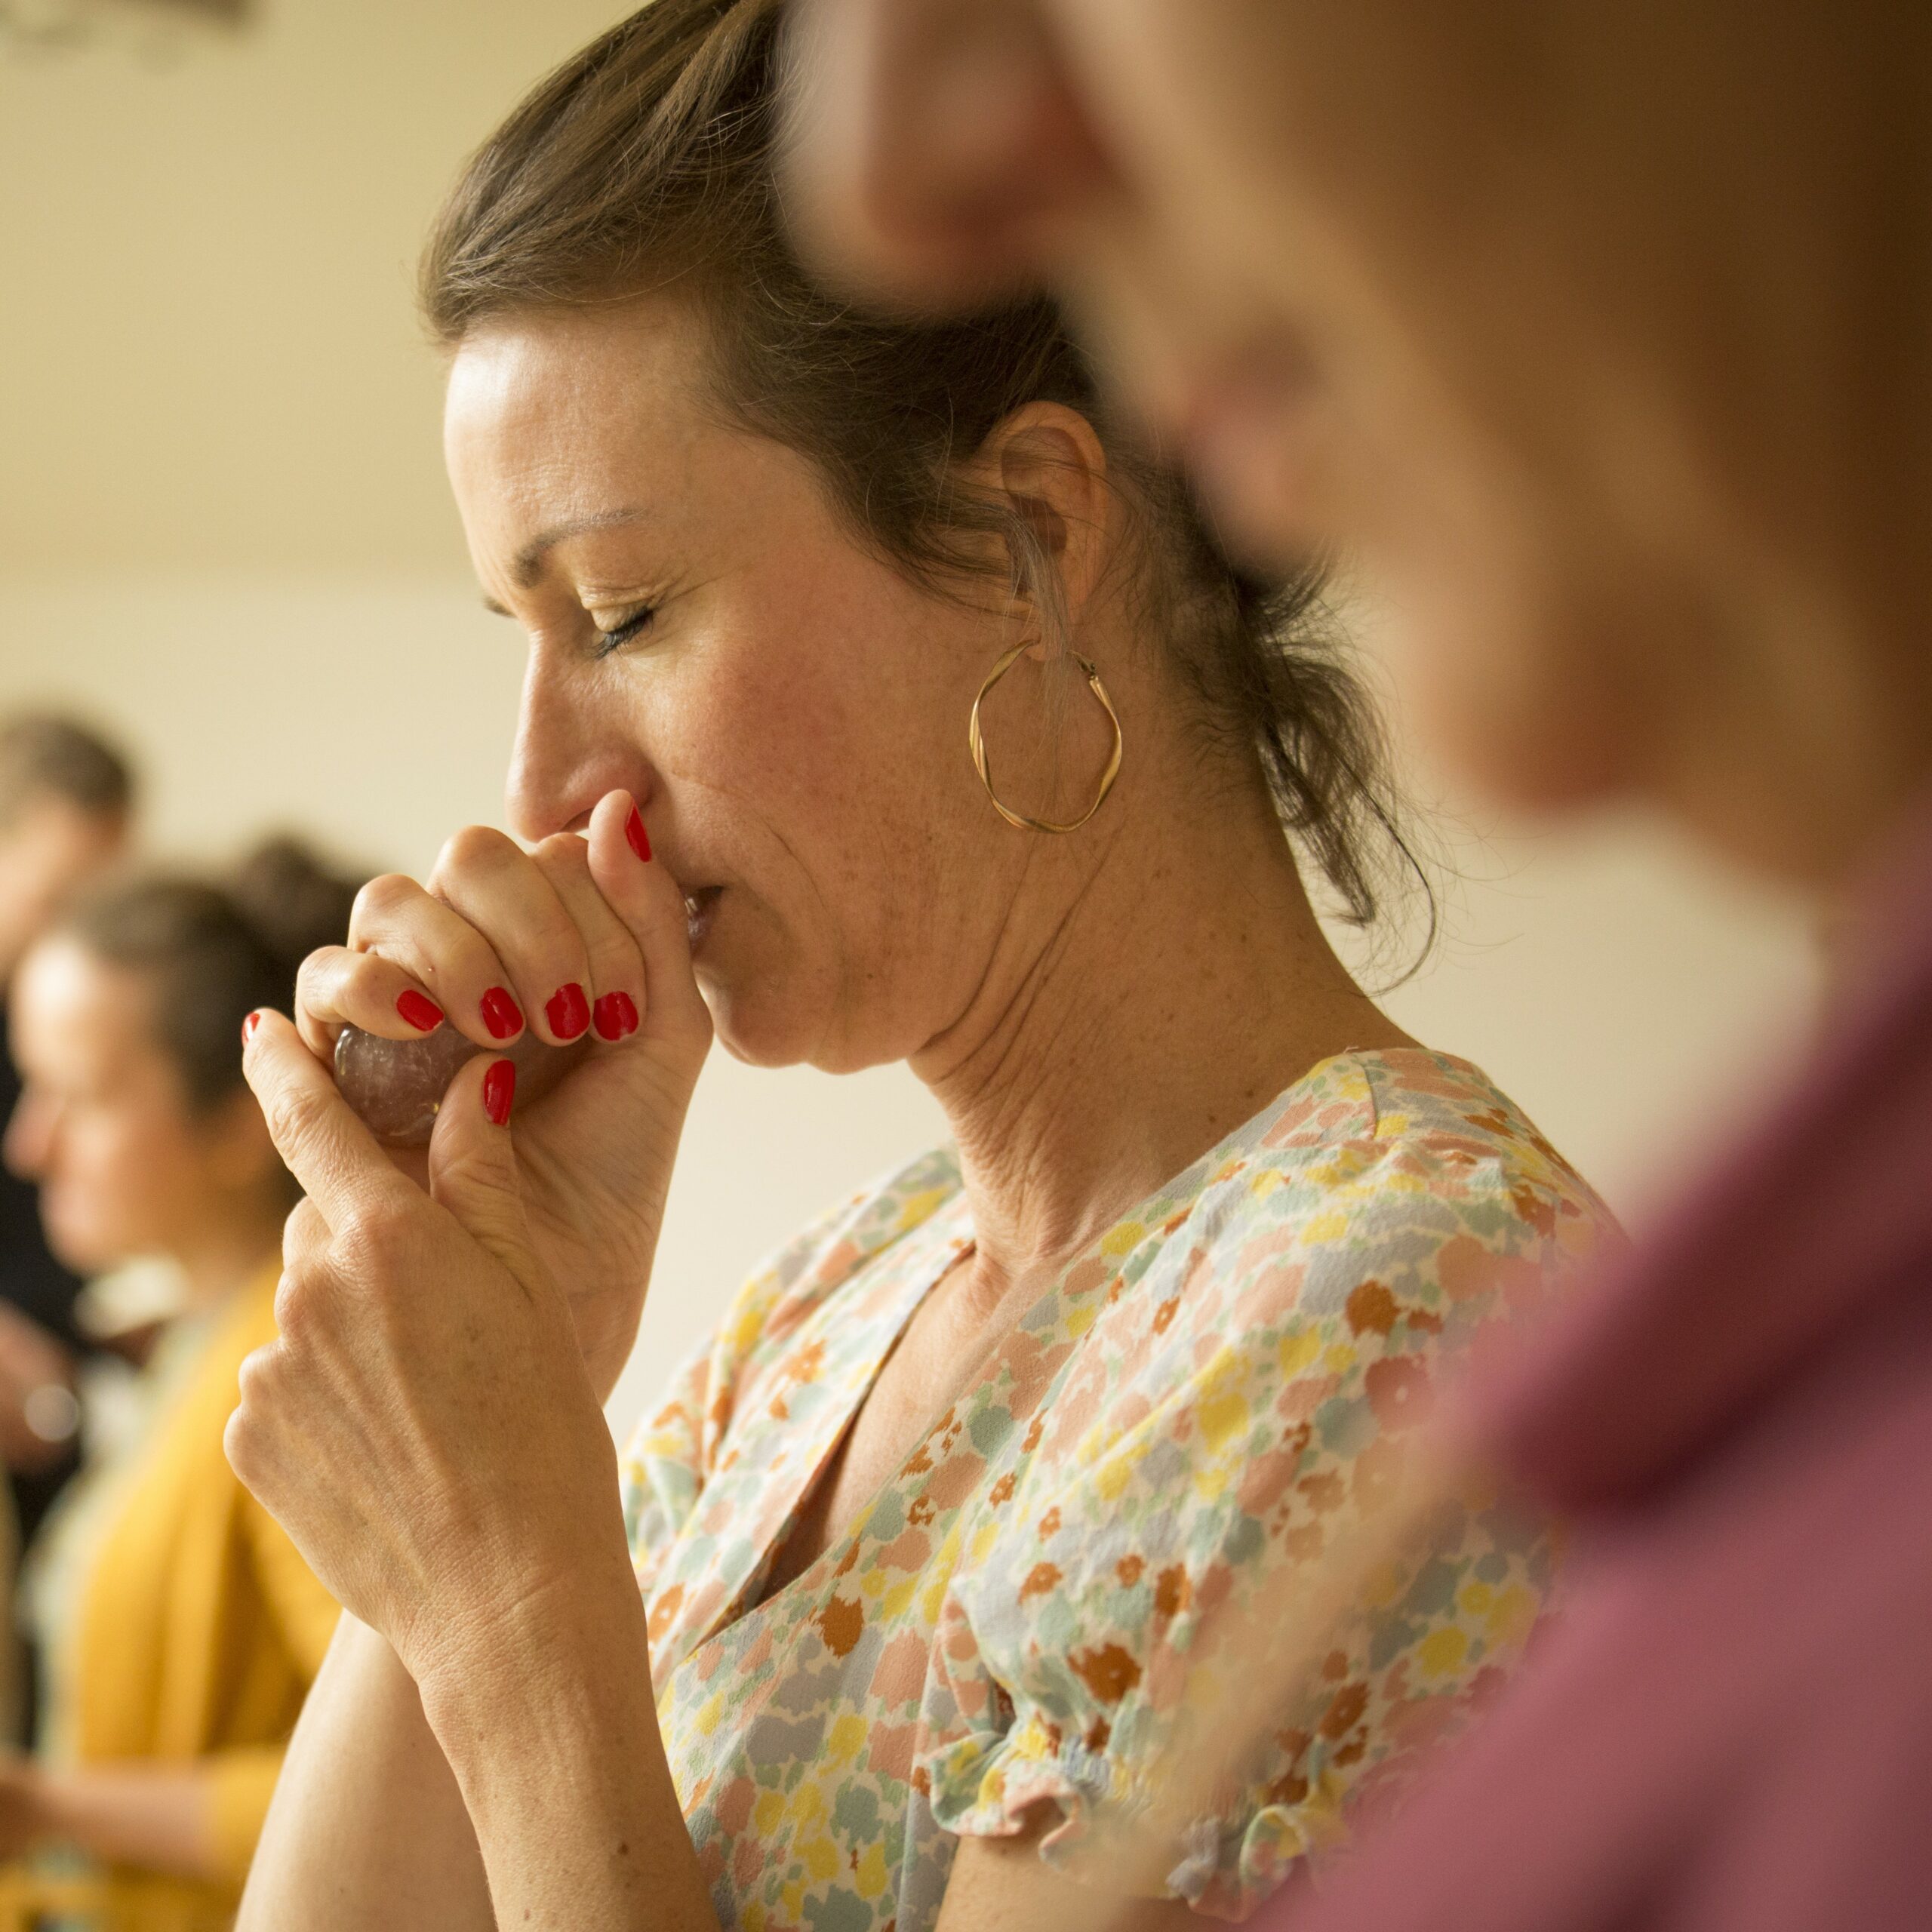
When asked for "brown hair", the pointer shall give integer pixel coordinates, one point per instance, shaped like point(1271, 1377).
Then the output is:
point(214, 950)
point(47, 756)
point(645, 163)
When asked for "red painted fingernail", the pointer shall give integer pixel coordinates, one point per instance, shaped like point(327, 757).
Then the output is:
point(499, 1090)
point(616, 1015)
point(501, 1014)
point(425, 1015)
point(567, 1011)
point(640, 838)
point(248, 1026)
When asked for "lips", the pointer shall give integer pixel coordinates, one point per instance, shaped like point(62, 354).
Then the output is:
point(700, 907)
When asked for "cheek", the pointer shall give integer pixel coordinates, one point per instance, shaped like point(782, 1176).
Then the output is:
point(820, 742)
point(116, 1183)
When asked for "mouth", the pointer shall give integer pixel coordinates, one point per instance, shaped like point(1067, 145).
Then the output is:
point(699, 908)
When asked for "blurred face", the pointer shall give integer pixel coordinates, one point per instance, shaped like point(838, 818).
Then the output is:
point(102, 1124)
point(52, 848)
point(704, 632)
point(1289, 226)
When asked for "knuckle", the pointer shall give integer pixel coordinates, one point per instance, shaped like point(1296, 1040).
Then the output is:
point(295, 1299)
point(474, 848)
point(255, 1379)
point(302, 1232)
point(238, 1444)
point(565, 855)
point(293, 1114)
point(379, 902)
point(373, 1230)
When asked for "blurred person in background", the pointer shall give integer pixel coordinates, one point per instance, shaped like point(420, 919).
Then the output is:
point(920, 1544)
point(180, 1629)
point(1606, 333)
point(65, 798)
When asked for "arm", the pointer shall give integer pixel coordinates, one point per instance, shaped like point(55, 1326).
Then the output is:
point(367, 1827)
point(160, 1818)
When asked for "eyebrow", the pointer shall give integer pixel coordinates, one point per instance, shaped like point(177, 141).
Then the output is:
point(527, 565)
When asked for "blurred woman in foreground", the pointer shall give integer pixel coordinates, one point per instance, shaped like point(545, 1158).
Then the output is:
point(180, 1630)
point(1606, 333)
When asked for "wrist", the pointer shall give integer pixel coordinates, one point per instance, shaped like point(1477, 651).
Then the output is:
point(530, 1656)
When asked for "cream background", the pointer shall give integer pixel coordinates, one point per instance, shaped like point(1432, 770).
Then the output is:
point(223, 533)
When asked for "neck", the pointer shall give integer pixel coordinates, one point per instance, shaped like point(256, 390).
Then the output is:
point(228, 1251)
point(1180, 984)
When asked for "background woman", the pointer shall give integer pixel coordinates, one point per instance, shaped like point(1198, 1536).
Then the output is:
point(181, 1627)
point(1606, 333)
point(931, 1535)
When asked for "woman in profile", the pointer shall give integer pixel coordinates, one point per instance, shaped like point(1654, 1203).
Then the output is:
point(180, 1628)
point(883, 688)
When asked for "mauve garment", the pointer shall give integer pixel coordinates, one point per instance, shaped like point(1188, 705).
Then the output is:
point(1730, 1729)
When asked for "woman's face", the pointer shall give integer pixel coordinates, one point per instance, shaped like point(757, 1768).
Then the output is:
point(705, 632)
point(103, 1125)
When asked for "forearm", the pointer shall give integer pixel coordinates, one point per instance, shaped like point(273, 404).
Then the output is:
point(158, 1818)
point(367, 1827)
point(548, 1719)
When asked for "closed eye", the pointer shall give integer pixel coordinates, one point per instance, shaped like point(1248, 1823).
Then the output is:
point(618, 635)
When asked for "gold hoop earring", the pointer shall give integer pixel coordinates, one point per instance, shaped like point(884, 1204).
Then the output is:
point(977, 740)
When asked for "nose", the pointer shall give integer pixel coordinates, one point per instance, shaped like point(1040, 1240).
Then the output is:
point(572, 747)
point(937, 149)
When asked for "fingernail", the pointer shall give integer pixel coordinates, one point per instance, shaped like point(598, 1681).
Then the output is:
point(501, 1014)
point(248, 1026)
point(567, 1011)
point(499, 1090)
point(616, 1014)
point(425, 1015)
point(640, 838)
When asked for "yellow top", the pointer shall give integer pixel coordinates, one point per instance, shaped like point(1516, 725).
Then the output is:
point(199, 1627)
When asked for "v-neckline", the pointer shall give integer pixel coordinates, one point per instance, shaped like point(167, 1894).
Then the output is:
point(746, 1596)
point(828, 1469)
point(734, 1593)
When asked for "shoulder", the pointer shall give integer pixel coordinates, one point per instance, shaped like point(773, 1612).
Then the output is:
point(1396, 1165)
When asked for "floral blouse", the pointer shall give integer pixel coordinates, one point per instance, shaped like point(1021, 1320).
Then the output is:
point(1216, 1389)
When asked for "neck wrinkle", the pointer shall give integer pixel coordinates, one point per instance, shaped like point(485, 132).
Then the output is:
point(1113, 1043)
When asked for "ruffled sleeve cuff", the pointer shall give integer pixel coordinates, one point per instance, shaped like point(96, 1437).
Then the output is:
point(985, 1785)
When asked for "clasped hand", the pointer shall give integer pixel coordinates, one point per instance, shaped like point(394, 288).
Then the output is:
point(428, 1425)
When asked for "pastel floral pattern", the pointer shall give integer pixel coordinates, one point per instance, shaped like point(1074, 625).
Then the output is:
point(1219, 1387)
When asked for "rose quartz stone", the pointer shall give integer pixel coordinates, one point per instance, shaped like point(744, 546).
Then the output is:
point(397, 1086)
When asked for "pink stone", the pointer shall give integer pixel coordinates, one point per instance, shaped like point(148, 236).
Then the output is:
point(397, 1086)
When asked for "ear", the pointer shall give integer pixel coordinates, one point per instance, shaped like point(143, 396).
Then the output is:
point(1047, 461)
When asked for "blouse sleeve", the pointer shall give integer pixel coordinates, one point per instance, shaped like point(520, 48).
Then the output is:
point(1153, 1524)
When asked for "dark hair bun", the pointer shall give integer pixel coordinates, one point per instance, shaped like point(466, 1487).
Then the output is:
point(292, 901)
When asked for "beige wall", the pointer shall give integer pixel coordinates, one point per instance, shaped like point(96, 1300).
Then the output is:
point(222, 531)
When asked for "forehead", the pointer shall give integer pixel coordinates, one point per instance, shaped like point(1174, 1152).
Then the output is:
point(564, 410)
point(67, 1001)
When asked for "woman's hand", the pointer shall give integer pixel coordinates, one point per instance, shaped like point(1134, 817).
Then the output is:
point(23, 1822)
point(583, 935)
point(423, 1427)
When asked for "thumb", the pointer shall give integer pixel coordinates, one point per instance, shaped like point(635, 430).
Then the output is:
point(472, 1162)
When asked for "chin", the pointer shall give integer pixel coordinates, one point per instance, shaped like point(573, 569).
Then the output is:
point(769, 1021)
point(79, 1247)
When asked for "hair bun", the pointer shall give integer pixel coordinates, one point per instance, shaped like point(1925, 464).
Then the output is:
point(292, 899)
